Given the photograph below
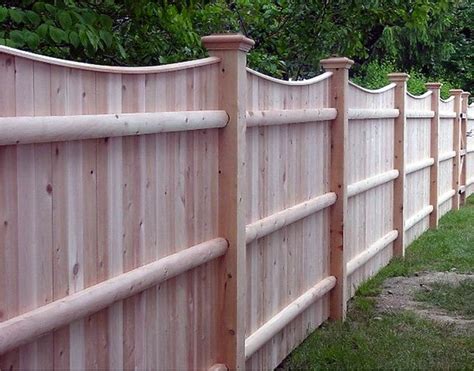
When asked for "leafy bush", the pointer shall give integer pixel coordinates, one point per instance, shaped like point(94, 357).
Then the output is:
point(373, 75)
point(432, 37)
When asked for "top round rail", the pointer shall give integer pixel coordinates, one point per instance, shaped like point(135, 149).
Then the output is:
point(110, 69)
point(375, 91)
point(422, 96)
point(311, 81)
point(447, 100)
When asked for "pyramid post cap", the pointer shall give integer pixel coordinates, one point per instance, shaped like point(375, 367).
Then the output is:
point(227, 42)
point(433, 85)
point(456, 92)
point(398, 76)
point(336, 62)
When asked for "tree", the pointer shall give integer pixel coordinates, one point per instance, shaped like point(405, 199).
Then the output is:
point(431, 37)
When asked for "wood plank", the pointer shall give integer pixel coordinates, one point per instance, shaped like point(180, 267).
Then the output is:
point(61, 336)
point(28, 245)
point(132, 101)
point(44, 217)
point(9, 274)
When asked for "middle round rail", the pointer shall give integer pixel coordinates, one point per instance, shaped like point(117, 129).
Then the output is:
point(272, 223)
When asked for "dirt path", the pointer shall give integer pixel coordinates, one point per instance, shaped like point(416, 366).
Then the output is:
point(398, 293)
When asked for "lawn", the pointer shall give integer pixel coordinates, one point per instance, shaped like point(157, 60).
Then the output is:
point(370, 340)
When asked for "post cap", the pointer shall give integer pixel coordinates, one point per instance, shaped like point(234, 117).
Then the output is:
point(433, 85)
point(465, 94)
point(398, 76)
point(227, 42)
point(336, 62)
point(455, 92)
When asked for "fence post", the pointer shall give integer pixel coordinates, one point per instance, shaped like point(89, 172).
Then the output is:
point(400, 79)
point(232, 49)
point(338, 181)
point(435, 88)
point(464, 104)
point(456, 146)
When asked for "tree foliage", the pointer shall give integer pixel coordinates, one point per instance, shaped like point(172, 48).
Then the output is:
point(430, 38)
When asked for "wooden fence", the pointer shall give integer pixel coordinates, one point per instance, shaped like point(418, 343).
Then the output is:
point(202, 214)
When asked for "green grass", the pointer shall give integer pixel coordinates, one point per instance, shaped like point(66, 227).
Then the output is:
point(368, 340)
point(450, 246)
point(456, 299)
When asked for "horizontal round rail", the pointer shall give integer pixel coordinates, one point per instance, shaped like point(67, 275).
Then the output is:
point(470, 150)
point(365, 113)
point(311, 81)
point(40, 129)
point(419, 165)
point(109, 69)
point(447, 156)
point(447, 115)
point(288, 216)
point(446, 196)
point(296, 116)
point(278, 322)
point(411, 114)
point(372, 182)
point(370, 252)
point(418, 217)
point(31, 325)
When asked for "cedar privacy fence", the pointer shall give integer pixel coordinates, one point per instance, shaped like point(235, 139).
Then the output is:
point(202, 214)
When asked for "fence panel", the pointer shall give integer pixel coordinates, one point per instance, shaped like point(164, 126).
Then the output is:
point(371, 148)
point(470, 151)
point(446, 155)
point(418, 159)
point(287, 165)
point(76, 213)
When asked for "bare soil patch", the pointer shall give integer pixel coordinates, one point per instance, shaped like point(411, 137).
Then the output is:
point(398, 293)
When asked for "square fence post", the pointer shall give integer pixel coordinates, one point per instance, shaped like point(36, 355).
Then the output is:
point(435, 88)
point(400, 79)
point(464, 105)
point(232, 50)
point(456, 146)
point(338, 181)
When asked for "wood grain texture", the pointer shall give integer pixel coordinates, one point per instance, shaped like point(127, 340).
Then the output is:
point(470, 150)
point(370, 214)
point(76, 213)
point(418, 148)
point(445, 145)
point(286, 165)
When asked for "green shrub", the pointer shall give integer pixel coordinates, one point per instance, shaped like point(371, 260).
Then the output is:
point(373, 75)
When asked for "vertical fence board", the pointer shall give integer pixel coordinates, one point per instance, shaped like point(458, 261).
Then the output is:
point(9, 252)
